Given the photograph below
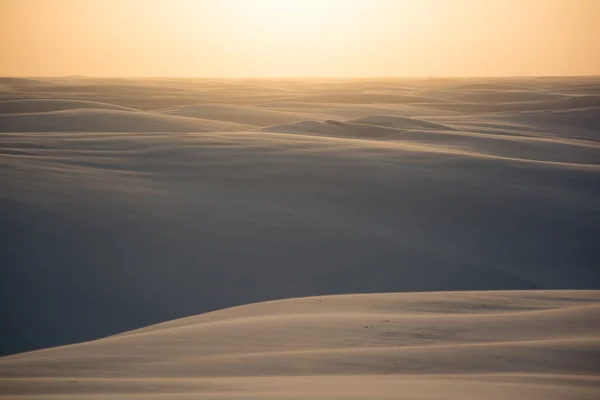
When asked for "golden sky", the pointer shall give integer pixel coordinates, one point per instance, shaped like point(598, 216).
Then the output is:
point(230, 38)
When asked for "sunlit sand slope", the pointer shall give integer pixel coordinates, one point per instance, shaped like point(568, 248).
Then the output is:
point(463, 345)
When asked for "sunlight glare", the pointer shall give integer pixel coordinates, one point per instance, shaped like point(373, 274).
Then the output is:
point(294, 18)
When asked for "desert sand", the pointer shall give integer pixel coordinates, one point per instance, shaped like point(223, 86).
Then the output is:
point(460, 345)
point(135, 213)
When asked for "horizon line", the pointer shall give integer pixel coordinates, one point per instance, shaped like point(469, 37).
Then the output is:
point(298, 76)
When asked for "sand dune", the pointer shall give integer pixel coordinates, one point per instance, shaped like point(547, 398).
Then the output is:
point(371, 127)
point(574, 102)
point(592, 89)
point(497, 86)
point(46, 105)
point(125, 203)
point(239, 114)
point(335, 129)
point(580, 123)
point(21, 81)
point(501, 345)
point(366, 98)
point(399, 122)
point(109, 120)
point(506, 96)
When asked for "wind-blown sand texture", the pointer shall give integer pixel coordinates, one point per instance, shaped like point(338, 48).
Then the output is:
point(129, 202)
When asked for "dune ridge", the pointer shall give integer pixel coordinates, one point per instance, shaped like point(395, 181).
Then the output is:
point(48, 105)
point(242, 114)
point(109, 120)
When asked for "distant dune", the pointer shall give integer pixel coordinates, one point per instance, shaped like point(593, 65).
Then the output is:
point(398, 122)
point(238, 113)
point(371, 127)
point(46, 105)
point(366, 98)
point(21, 81)
point(508, 96)
point(109, 120)
point(335, 129)
point(579, 123)
point(574, 102)
point(494, 86)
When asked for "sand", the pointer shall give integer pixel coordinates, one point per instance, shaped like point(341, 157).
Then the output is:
point(130, 202)
point(461, 345)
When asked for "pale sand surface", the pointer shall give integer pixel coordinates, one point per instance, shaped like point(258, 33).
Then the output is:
point(460, 345)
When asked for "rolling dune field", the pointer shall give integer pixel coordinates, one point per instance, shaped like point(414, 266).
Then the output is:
point(175, 238)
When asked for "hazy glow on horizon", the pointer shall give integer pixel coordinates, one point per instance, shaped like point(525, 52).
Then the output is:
point(299, 37)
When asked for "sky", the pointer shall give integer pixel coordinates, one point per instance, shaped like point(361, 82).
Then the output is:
point(280, 38)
